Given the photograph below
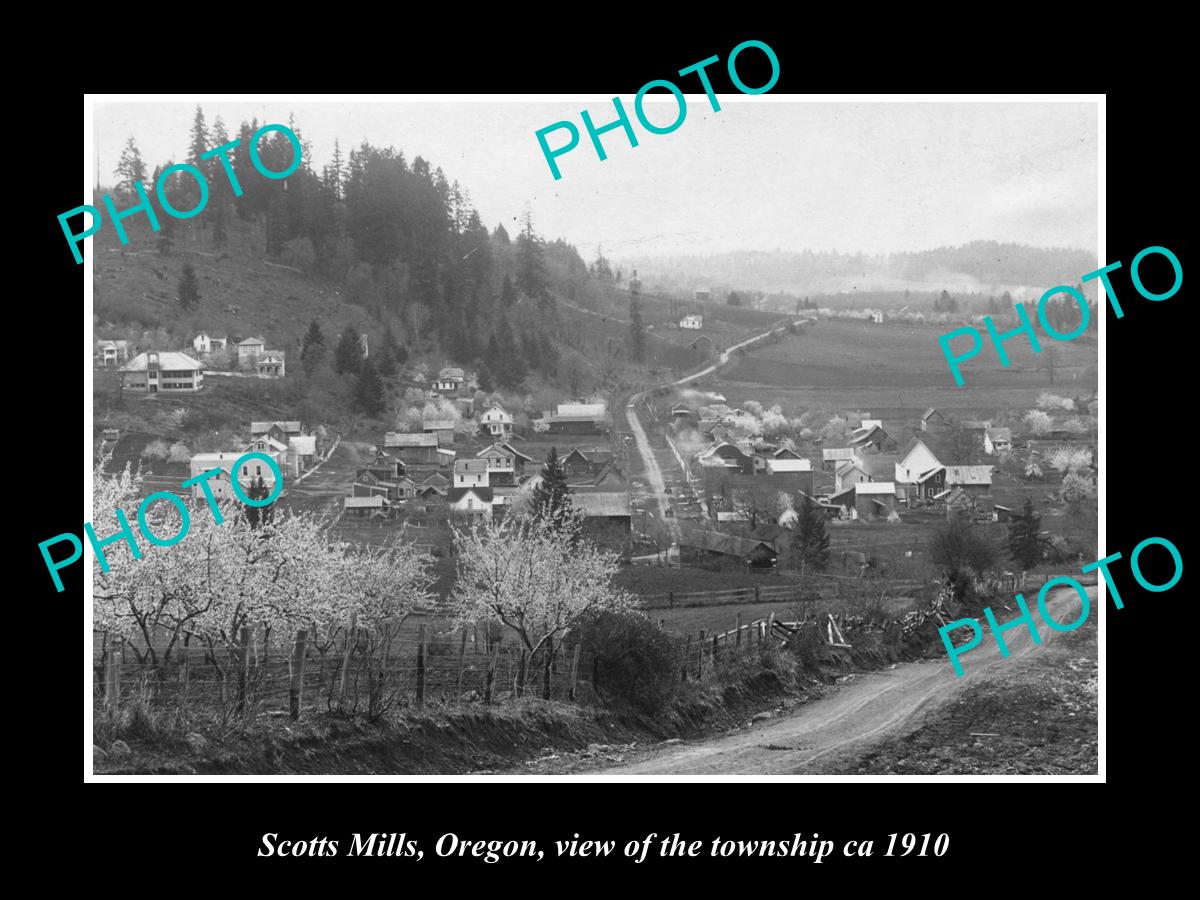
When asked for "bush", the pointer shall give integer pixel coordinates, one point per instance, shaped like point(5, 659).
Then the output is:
point(155, 450)
point(638, 663)
point(179, 452)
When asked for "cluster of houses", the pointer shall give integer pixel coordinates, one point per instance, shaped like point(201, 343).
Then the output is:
point(432, 471)
point(174, 371)
point(294, 451)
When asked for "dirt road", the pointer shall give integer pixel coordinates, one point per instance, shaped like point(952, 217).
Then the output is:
point(868, 707)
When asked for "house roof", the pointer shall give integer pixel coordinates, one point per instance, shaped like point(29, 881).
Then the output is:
point(833, 453)
point(167, 359)
point(1000, 434)
point(931, 412)
point(584, 410)
point(409, 439)
point(968, 475)
point(789, 465)
point(470, 467)
point(506, 448)
point(451, 372)
point(602, 503)
point(273, 356)
point(849, 466)
point(879, 465)
point(497, 411)
point(731, 544)
point(269, 441)
point(843, 498)
point(251, 340)
point(436, 479)
point(438, 425)
point(304, 444)
point(875, 487)
point(455, 494)
point(863, 435)
point(445, 451)
point(286, 427)
point(375, 501)
point(787, 453)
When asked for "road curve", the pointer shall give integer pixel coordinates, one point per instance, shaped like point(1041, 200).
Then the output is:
point(870, 707)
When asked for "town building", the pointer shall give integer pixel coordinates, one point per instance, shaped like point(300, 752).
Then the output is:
point(249, 351)
point(113, 353)
point(204, 344)
point(715, 548)
point(413, 449)
point(496, 421)
point(270, 364)
point(167, 372)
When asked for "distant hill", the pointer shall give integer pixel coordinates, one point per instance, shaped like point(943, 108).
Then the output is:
point(980, 266)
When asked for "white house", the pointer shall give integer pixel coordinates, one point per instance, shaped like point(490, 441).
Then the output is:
point(449, 381)
point(695, 322)
point(876, 316)
point(249, 350)
point(112, 353)
point(997, 441)
point(168, 371)
point(248, 473)
point(471, 473)
point(497, 421)
point(470, 501)
point(205, 344)
point(916, 461)
point(270, 364)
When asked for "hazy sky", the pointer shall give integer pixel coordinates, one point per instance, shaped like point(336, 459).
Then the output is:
point(763, 173)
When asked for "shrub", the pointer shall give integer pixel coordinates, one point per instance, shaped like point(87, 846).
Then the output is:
point(179, 452)
point(638, 663)
point(155, 450)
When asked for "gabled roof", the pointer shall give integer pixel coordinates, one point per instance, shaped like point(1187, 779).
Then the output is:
point(436, 479)
point(787, 453)
point(719, 542)
point(409, 439)
point(930, 413)
point(849, 466)
point(875, 487)
point(289, 427)
point(579, 410)
point(251, 340)
point(834, 453)
point(912, 445)
point(451, 373)
point(170, 360)
point(1000, 434)
point(375, 501)
point(455, 494)
point(269, 441)
point(506, 448)
point(602, 503)
point(968, 475)
point(789, 465)
point(863, 435)
point(447, 452)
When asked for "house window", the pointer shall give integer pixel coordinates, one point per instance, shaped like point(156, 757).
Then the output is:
point(258, 470)
point(470, 503)
point(245, 470)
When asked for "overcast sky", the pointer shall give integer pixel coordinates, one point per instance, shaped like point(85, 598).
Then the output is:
point(763, 173)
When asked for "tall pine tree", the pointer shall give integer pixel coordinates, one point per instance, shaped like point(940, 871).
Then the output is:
point(130, 170)
point(189, 288)
point(370, 393)
point(637, 329)
point(550, 506)
point(348, 355)
point(810, 542)
point(1024, 537)
point(313, 349)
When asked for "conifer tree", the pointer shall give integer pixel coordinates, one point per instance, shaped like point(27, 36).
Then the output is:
point(550, 505)
point(313, 349)
point(810, 542)
point(637, 330)
point(1024, 537)
point(370, 393)
point(130, 170)
point(189, 288)
point(348, 356)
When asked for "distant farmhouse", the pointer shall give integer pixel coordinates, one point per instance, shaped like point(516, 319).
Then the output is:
point(577, 418)
point(205, 344)
point(694, 321)
point(167, 371)
point(249, 350)
point(113, 353)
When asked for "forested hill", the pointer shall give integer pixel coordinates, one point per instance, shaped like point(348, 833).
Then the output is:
point(375, 241)
point(984, 265)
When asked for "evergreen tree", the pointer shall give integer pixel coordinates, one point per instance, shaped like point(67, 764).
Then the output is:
point(507, 295)
point(370, 393)
point(531, 263)
point(385, 362)
point(483, 378)
point(198, 146)
point(550, 505)
point(637, 330)
point(503, 358)
point(1024, 537)
point(130, 170)
point(500, 235)
point(312, 349)
point(810, 542)
point(335, 172)
point(734, 299)
point(347, 355)
point(189, 288)
point(218, 187)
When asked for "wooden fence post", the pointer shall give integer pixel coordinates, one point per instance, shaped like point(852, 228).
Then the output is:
point(244, 676)
point(184, 676)
point(687, 655)
point(493, 658)
point(421, 666)
point(521, 674)
point(296, 685)
point(351, 639)
point(574, 672)
point(756, 599)
point(714, 650)
point(113, 678)
point(462, 655)
point(770, 626)
point(738, 639)
point(700, 661)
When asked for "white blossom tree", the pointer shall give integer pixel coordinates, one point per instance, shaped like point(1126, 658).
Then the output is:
point(533, 579)
point(1038, 422)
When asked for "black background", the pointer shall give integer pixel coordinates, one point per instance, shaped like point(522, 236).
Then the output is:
point(152, 836)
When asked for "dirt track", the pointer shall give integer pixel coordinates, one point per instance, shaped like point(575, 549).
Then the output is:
point(868, 707)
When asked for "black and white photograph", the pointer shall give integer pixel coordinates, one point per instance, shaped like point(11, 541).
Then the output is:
point(518, 437)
